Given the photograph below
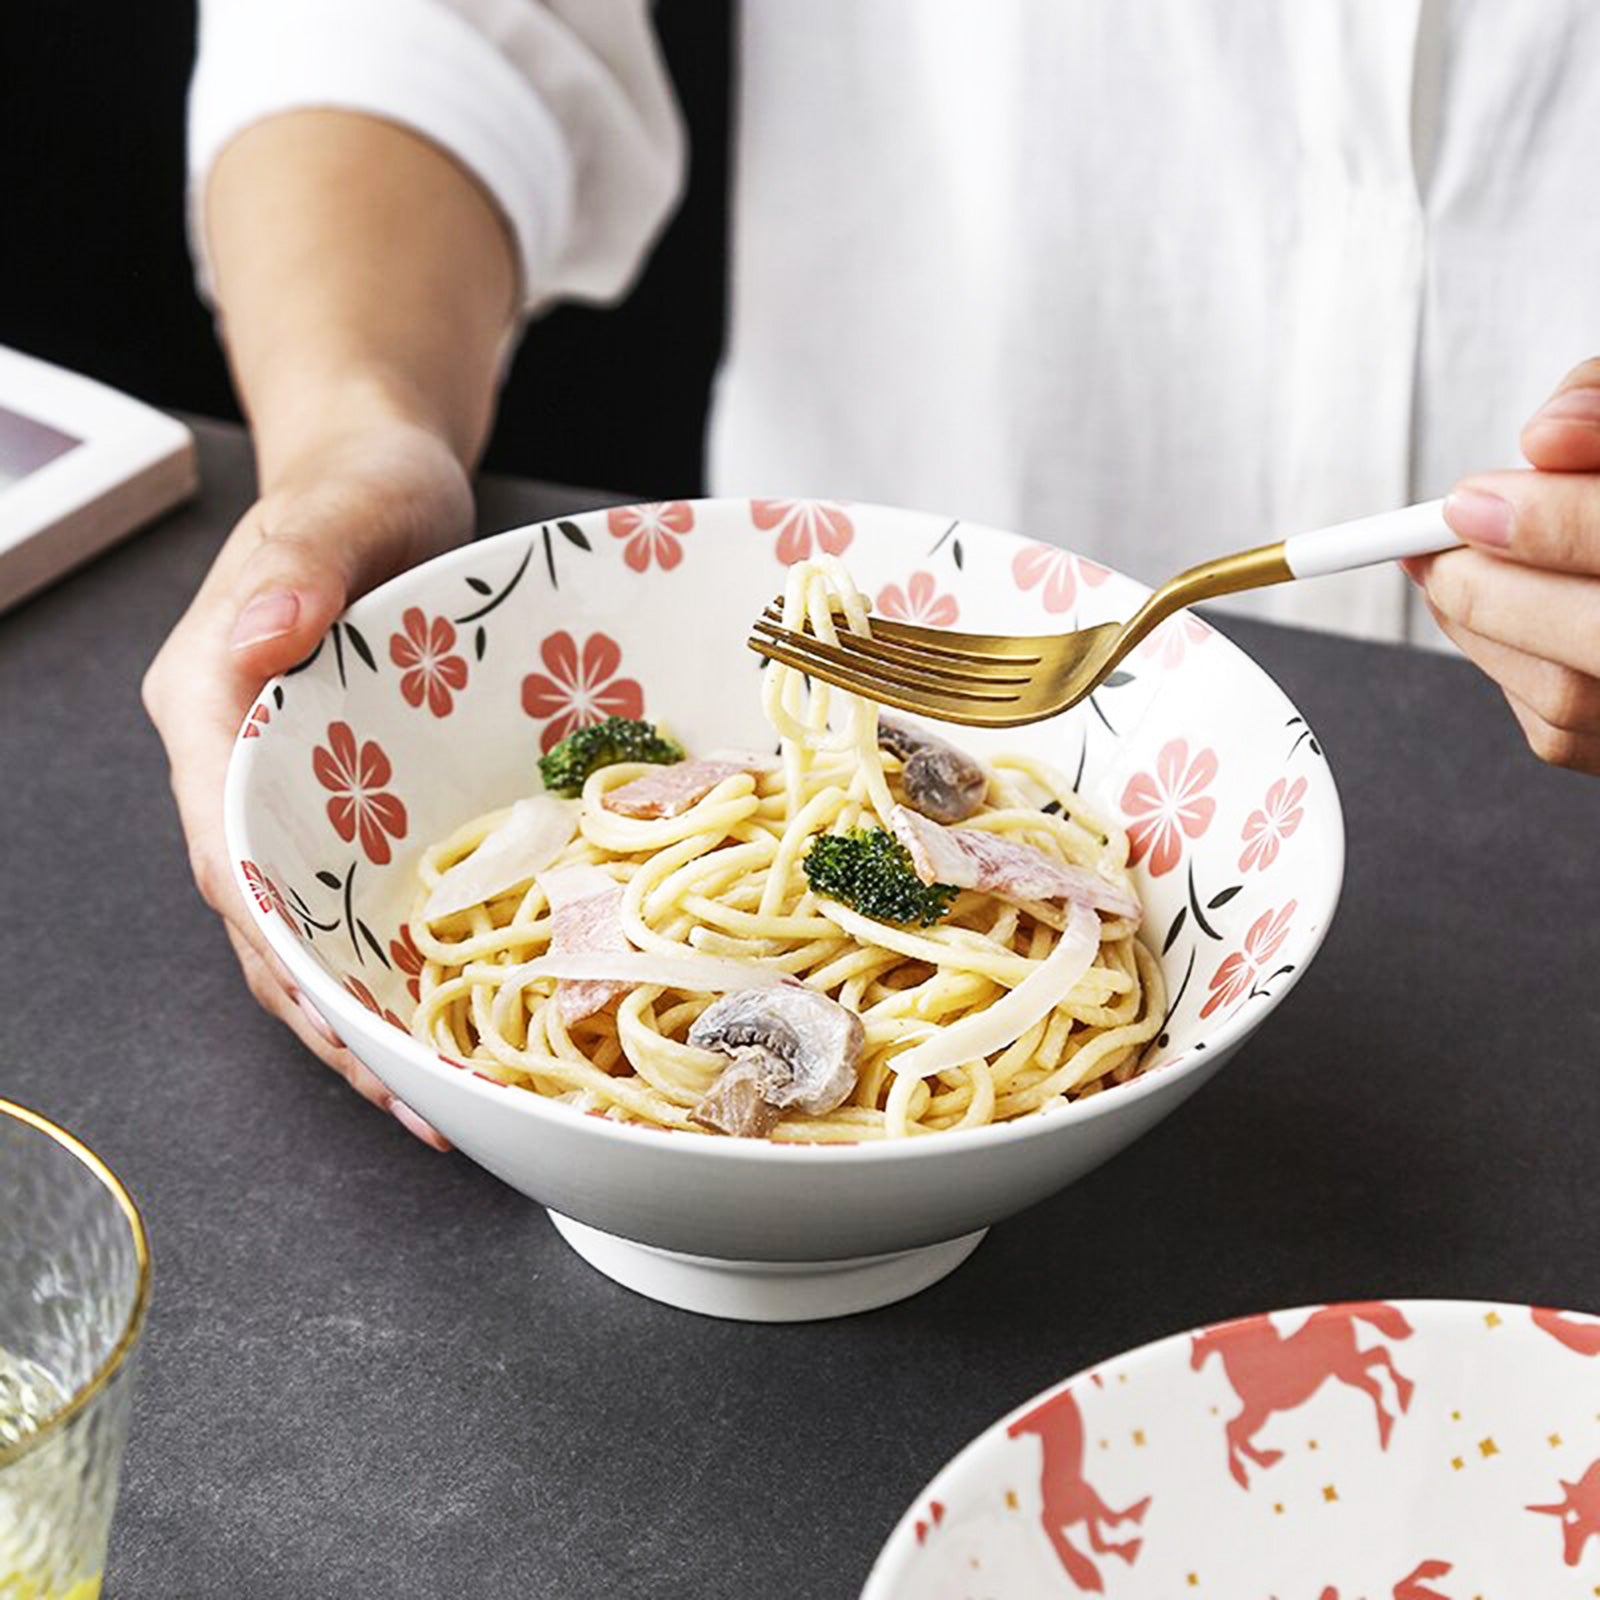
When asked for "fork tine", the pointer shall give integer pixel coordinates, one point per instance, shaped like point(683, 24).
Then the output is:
point(1025, 650)
point(966, 668)
point(903, 667)
point(971, 709)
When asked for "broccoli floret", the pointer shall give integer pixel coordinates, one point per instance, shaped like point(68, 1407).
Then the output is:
point(871, 871)
point(603, 744)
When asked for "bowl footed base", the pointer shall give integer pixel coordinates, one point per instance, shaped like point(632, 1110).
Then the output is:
point(766, 1291)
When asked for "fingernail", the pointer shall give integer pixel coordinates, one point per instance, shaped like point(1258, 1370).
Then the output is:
point(412, 1123)
point(1571, 405)
point(1479, 517)
point(317, 1020)
point(270, 613)
point(1412, 567)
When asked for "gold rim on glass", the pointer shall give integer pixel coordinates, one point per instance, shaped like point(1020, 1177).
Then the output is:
point(141, 1299)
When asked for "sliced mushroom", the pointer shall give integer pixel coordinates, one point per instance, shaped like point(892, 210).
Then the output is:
point(736, 1102)
point(939, 780)
point(793, 1049)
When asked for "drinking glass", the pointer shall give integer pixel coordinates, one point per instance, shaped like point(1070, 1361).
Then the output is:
point(74, 1284)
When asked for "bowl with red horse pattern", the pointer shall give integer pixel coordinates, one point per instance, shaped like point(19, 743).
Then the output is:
point(431, 701)
point(1420, 1450)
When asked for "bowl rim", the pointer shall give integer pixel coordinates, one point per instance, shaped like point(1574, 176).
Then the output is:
point(893, 1552)
point(349, 1017)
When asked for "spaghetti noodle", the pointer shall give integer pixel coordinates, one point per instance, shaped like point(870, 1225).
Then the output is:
point(964, 1023)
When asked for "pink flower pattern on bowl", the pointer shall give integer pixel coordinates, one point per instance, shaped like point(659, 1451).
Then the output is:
point(406, 958)
point(1171, 642)
point(365, 995)
point(1240, 969)
point(1042, 563)
point(1265, 830)
point(265, 891)
point(804, 527)
point(1164, 806)
point(653, 531)
point(361, 803)
point(580, 686)
point(1056, 573)
point(919, 602)
point(429, 668)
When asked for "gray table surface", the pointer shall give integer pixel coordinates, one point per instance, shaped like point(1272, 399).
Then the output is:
point(374, 1370)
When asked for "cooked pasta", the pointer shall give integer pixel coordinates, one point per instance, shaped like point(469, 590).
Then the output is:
point(724, 882)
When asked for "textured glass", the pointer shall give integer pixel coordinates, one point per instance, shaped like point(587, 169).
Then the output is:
point(71, 1282)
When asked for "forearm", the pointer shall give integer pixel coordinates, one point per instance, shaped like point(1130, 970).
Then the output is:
point(361, 275)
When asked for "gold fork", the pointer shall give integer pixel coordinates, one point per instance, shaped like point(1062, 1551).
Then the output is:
point(992, 680)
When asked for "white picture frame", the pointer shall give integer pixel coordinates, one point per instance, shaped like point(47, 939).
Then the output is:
point(81, 466)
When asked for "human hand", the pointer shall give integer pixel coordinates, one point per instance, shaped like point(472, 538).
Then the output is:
point(368, 498)
point(1523, 600)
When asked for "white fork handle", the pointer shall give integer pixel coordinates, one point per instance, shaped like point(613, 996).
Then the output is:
point(1389, 536)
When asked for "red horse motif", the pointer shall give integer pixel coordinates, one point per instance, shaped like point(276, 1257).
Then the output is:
point(1579, 1513)
point(1584, 1336)
point(1412, 1587)
point(1270, 1373)
point(1068, 1497)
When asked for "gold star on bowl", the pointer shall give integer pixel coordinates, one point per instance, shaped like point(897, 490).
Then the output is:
point(1329, 1493)
point(1491, 1319)
point(1277, 1509)
point(1455, 1416)
point(1138, 1436)
point(1457, 1463)
point(1555, 1441)
point(1011, 1499)
point(1487, 1448)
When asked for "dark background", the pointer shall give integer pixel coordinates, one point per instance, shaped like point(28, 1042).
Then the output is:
point(95, 274)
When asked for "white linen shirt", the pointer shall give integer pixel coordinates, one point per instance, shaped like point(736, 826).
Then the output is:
point(1155, 281)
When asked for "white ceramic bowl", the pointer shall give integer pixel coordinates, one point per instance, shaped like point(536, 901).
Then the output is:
point(431, 700)
point(1427, 1450)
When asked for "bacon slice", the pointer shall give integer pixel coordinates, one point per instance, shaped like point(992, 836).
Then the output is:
point(969, 858)
point(586, 905)
point(670, 791)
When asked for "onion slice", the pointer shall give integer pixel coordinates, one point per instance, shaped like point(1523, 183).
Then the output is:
point(511, 855)
point(1004, 1022)
point(690, 973)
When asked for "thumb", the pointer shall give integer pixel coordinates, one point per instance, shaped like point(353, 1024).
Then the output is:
point(320, 547)
point(1563, 435)
point(286, 596)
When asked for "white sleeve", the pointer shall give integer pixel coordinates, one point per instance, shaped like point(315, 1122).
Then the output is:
point(561, 109)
